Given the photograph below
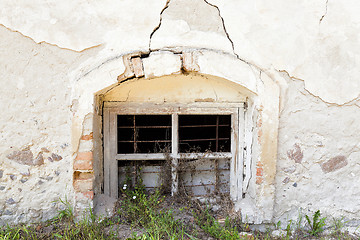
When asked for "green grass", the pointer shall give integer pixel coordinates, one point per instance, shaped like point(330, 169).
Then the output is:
point(150, 220)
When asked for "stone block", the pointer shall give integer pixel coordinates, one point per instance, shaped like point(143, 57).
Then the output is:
point(104, 205)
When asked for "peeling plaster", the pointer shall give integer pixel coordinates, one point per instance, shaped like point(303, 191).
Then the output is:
point(51, 44)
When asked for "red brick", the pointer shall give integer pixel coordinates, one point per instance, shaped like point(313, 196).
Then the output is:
point(89, 194)
point(83, 175)
point(259, 180)
point(87, 137)
point(83, 165)
point(83, 185)
point(84, 156)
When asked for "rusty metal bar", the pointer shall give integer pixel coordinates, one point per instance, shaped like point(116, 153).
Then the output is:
point(220, 125)
point(202, 185)
point(135, 145)
point(217, 175)
point(147, 141)
point(217, 134)
point(199, 140)
point(129, 127)
point(207, 170)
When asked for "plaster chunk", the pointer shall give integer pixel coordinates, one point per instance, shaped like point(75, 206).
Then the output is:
point(161, 63)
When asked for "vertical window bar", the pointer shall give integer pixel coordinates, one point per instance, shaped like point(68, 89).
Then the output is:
point(217, 134)
point(174, 151)
point(135, 138)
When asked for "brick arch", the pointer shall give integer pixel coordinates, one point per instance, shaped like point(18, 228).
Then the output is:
point(261, 120)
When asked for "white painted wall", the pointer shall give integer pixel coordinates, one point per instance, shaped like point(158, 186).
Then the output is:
point(50, 51)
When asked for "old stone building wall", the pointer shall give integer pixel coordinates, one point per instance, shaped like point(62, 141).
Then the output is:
point(298, 62)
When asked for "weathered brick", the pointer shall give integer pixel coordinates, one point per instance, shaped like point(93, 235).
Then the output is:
point(83, 165)
point(259, 171)
point(83, 175)
point(259, 180)
point(84, 156)
point(89, 194)
point(87, 137)
point(83, 185)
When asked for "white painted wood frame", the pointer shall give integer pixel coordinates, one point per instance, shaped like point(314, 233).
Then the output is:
point(112, 109)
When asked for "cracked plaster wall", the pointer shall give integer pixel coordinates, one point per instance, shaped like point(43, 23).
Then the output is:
point(318, 162)
point(35, 150)
point(50, 50)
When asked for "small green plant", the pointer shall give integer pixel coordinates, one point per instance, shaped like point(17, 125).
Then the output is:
point(316, 224)
point(142, 210)
point(288, 229)
point(209, 224)
point(67, 213)
point(299, 221)
point(338, 224)
point(277, 225)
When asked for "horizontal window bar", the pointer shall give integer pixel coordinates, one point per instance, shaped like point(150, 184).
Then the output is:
point(162, 156)
point(200, 140)
point(149, 141)
point(194, 126)
point(132, 127)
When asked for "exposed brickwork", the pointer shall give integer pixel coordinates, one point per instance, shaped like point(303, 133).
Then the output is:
point(83, 165)
point(259, 180)
point(87, 137)
point(83, 185)
point(83, 175)
point(89, 194)
point(259, 173)
point(84, 156)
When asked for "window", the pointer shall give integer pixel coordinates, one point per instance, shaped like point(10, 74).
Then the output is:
point(200, 141)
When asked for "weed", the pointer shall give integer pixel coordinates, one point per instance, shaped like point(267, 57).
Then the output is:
point(209, 224)
point(338, 224)
point(288, 229)
point(316, 224)
point(67, 213)
point(277, 226)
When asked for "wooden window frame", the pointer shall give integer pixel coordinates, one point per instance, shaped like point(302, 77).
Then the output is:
point(112, 109)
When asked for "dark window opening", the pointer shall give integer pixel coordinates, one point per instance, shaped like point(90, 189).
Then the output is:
point(153, 174)
point(143, 133)
point(204, 133)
